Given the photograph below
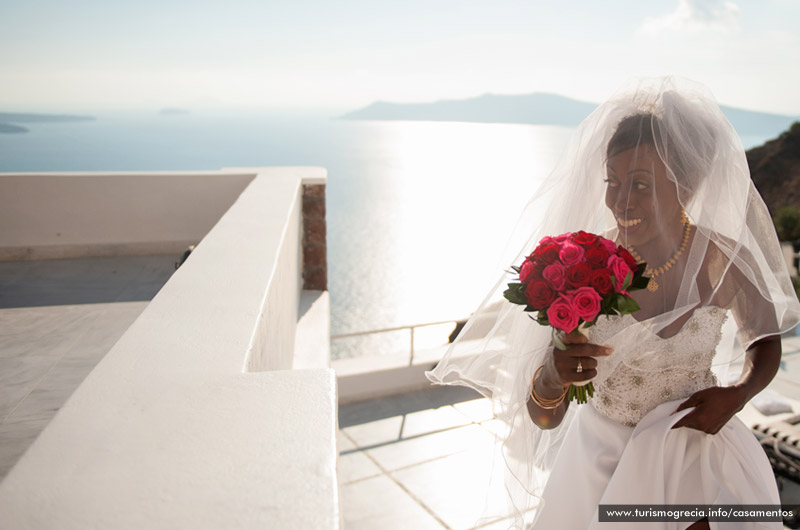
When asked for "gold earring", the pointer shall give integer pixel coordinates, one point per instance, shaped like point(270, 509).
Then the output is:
point(684, 217)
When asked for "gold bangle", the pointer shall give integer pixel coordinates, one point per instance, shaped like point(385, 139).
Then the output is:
point(545, 403)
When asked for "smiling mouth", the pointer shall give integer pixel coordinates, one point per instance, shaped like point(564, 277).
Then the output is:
point(628, 223)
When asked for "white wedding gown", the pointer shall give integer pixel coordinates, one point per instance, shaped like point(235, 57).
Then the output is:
point(620, 448)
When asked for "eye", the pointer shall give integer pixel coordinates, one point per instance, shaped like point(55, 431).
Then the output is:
point(641, 186)
point(611, 182)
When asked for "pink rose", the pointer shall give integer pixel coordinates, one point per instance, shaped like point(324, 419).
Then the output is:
point(562, 237)
point(546, 240)
point(609, 245)
point(619, 268)
point(562, 315)
point(586, 303)
point(570, 253)
point(556, 275)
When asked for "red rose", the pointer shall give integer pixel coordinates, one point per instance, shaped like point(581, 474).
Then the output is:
point(537, 271)
point(584, 238)
point(539, 295)
point(546, 253)
point(601, 281)
point(525, 271)
point(579, 274)
point(629, 259)
point(597, 256)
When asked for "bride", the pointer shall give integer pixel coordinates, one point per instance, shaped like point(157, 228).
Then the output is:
point(659, 170)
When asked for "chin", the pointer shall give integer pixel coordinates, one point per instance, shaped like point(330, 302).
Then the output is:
point(633, 237)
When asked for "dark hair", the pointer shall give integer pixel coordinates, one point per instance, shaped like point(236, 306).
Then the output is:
point(688, 160)
point(634, 131)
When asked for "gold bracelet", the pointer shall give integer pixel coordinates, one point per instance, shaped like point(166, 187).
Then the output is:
point(545, 403)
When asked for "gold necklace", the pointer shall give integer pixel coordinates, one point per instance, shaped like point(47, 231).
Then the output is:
point(652, 285)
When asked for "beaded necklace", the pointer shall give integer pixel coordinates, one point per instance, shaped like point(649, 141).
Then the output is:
point(652, 285)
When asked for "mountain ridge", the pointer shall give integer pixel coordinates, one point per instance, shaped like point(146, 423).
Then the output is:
point(539, 108)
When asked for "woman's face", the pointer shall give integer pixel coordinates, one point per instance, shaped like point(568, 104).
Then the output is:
point(642, 198)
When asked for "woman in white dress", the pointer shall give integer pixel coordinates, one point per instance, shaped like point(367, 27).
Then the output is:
point(657, 169)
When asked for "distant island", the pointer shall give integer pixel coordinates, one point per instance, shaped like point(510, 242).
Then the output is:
point(11, 129)
point(9, 119)
point(173, 111)
point(539, 109)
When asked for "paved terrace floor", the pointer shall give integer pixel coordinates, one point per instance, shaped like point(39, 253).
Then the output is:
point(58, 318)
point(420, 460)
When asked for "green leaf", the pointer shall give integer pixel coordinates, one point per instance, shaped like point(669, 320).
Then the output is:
point(627, 282)
point(515, 269)
point(639, 283)
point(627, 305)
point(515, 294)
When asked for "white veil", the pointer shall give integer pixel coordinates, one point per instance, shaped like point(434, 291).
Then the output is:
point(731, 258)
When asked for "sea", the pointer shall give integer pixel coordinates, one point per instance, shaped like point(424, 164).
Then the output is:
point(416, 211)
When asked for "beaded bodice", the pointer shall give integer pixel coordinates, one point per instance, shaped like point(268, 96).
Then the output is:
point(627, 393)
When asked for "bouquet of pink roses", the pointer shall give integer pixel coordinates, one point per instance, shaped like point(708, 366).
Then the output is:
point(570, 280)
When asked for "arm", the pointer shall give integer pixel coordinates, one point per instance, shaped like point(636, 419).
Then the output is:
point(548, 386)
point(558, 372)
point(715, 406)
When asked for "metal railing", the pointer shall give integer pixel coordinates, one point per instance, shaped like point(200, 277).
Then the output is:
point(409, 327)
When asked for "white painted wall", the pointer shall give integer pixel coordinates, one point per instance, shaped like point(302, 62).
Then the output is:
point(52, 215)
point(191, 420)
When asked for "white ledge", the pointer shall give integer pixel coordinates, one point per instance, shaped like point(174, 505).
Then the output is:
point(195, 418)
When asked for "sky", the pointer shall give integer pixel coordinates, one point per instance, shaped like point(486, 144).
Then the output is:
point(95, 55)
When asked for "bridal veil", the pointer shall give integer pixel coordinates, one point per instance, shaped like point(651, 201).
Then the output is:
point(731, 259)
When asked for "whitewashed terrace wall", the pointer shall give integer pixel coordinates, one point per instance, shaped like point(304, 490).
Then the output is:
point(195, 418)
point(61, 215)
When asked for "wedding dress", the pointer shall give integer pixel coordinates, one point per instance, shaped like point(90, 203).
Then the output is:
point(621, 448)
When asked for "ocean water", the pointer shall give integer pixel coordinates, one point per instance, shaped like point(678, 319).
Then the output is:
point(416, 211)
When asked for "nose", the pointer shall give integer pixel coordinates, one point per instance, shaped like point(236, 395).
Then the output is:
point(623, 202)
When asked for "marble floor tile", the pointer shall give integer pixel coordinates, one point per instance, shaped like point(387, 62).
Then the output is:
point(83, 280)
point(15, 438)
point(431, 446)
point(379, 503)
point(376, 432)
point(464, 490)
point(375, 409)
point(18, 377)
point(58, 319)
point(69, 340)
point(497, 427)
point(353, 464)
point(477, 410)
point(406, 426)
point(432, 420)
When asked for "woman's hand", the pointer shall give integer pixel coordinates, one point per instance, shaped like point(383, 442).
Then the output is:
point(713, 407)
point(565, 362)
point(559, 372)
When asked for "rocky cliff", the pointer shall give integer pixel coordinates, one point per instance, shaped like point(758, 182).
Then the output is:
point(775, 169)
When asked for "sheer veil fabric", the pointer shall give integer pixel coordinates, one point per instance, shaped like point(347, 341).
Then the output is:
point(656, 149)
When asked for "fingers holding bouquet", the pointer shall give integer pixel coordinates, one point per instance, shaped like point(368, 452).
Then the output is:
point(578, 362)
point(568, 282)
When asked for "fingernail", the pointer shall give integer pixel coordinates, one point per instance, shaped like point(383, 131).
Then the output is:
point(609, 350)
